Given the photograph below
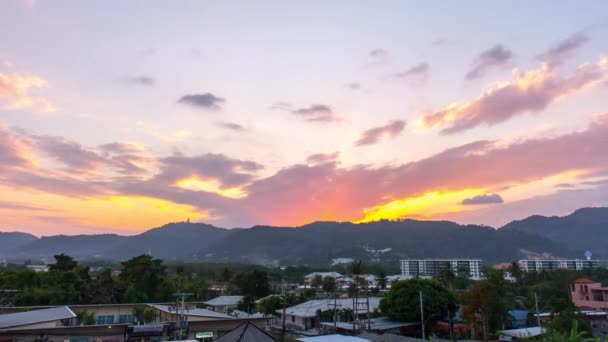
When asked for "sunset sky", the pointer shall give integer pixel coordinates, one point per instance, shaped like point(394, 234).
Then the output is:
point(120, 116)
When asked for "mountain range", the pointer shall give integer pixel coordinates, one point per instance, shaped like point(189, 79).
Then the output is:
point(319, 242)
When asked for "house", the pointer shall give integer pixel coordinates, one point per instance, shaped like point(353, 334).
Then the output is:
point(589, 294)
point(373, 337)
point(523, 333)
point(309, 277)
point(246, 332)
point(305, 315)
point(224, 303)
point(114, 322)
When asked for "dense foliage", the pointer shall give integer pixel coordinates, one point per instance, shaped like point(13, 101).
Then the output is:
point(402, 303)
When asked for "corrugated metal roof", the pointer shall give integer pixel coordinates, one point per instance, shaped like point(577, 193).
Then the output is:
point(310, 308)
point(224, 300)
point(246, 332)
point(194, 312)
point(35, 316)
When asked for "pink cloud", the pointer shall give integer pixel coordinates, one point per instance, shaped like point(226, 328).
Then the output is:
point(530, 92)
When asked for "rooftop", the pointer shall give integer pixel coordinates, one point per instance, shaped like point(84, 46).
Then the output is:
point(310, 308)
point(35, 316)
point(224, 300)
point(332, 338)
point(584, 281)
point(246, 332)
point(193, 312)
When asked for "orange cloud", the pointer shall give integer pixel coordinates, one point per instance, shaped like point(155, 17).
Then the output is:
point(14, 89)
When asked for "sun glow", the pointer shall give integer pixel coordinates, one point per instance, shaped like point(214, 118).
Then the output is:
point(211, 185)
point(424, 206)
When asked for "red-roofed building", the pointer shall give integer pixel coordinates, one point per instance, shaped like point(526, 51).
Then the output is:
point(588, 294)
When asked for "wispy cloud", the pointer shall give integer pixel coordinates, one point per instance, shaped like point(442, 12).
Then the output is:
point(139, 80)
point(320, 158)
point(495, 57)
point(373, 135)
point(419, 71)
point(202, 101)
point(560, 52)
point(315, 113)
point(231, 126)
point(483, 199)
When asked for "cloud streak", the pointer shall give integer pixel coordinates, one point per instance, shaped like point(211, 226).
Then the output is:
point(206, 101)
point(373, 135)
point(559, 53)
point(483, 199)
point(315, 113)
point(495, 57)
point(419, 71)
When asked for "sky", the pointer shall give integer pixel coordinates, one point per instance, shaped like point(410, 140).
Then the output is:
point(116, 117)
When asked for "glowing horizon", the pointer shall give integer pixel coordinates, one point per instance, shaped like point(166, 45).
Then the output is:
point(125, 124)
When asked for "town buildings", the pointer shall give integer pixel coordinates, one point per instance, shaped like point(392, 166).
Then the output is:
point(537, 265)
point(432, 267)
point(116, 322)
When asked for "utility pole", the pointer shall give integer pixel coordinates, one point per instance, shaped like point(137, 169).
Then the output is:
point(180, 310)
point(537, 313)
point(284, 308)
point(422, 315)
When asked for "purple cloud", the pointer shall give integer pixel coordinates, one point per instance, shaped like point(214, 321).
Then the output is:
point(420, 71)
point(495, 57)
point(558, 53)
point(323, 158)
point(483, 199)
point(315, 113)
point(203, 101)
point(373, 135)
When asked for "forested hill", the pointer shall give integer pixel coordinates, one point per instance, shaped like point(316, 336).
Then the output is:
point(317, 243)
point(585, 229)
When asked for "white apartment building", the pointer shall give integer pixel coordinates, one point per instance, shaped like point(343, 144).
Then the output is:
point(432, 267)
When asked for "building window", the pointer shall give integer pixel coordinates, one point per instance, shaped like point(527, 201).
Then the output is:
point(122, 319)
point(293, 319)
point(105, 319)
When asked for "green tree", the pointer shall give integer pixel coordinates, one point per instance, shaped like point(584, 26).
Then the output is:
point(63, 263)
point(269, 305)
point(317, 281)
point(402, 302)
point(247, 304)
point(565, 317)
point(329, 284)
point(254, 283)
point(145, 274)
point(485, 304)
point(447, 276)
point(382, 280)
